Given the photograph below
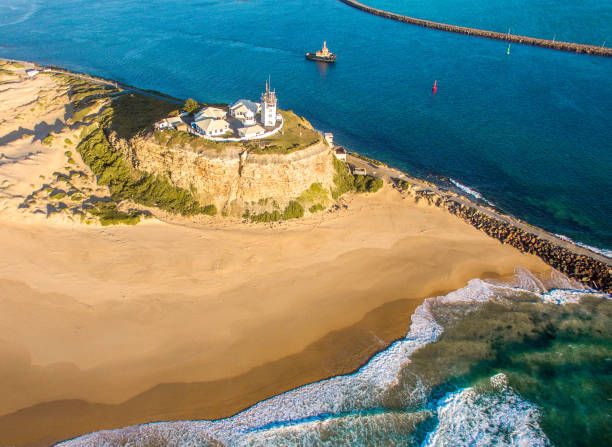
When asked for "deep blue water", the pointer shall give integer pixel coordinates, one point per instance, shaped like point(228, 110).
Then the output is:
point(531, 131)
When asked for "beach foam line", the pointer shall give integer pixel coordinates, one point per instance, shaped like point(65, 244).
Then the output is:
point(467, 418)
point(600, 251)
point(340, 396)
point(470, 191)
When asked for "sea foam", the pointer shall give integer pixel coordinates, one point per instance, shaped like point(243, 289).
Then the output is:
point(301, 415)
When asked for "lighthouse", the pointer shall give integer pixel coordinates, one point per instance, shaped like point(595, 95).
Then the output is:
point(268, 107)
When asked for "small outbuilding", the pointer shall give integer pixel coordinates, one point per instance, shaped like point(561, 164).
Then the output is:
point(329, 137)
point(32, 72)
point(251, 131)
point(340, 153)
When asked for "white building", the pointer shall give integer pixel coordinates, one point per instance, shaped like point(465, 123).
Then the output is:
point(329, 137)
point(340, 153)
point(211, 127)
point(210, 112)
point(169, 123)
point(268, 107)
point(31, 72)
point(251, 131)
point(245, 111)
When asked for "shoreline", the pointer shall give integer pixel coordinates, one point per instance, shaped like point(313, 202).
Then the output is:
point(571, 47)
point(112, 315)
point(573, 258)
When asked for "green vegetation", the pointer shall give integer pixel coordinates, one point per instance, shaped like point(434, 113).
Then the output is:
point(365, 183)
point(191, 105)
point(57, 195)
point(316, 193)
point(80, 114)
point(316, 208)
point(71, 161)
point(127, 183)
point(294, 210)
point(77, 197)
point(297, 133)
point(343, 179)
point(5, 72)
point(131, 114)
point(67, 141)
point(68, 154)
point(109, 214)
point(48, 140)
point(403, 184)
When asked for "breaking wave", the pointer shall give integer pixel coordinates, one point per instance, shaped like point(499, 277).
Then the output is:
point(363, 409)
point(470, 191)
point(602, 251)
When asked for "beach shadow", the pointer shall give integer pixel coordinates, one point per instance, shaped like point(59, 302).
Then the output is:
point(15, 135)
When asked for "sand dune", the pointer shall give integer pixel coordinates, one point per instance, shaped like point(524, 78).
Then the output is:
point(225, 313)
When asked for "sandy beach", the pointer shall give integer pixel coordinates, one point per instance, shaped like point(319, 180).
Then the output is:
point(103, 327)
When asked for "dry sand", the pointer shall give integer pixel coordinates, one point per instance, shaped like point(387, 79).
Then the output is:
point(102, 327)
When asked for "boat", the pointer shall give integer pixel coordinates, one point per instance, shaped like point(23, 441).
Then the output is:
point(508, 50)
point(323, 55)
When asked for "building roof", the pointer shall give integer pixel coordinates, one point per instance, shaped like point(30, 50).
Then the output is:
point(210, 125)
point(243, 105)
point(340, 150)
point(211, 112)
point(174, 120)
point(251, 130)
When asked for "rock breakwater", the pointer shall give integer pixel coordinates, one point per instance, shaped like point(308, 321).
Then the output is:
point(585, 269)
point(526, 40)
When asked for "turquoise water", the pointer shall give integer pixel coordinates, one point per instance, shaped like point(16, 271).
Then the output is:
point(582, 21)
point(490, 364)
point(531, 132)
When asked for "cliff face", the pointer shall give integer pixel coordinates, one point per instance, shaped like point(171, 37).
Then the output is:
point(232, 175)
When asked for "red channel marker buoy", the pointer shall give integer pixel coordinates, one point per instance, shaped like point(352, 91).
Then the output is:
point(435, 87)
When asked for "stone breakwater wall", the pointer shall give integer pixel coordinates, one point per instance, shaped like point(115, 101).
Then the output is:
point(232, 173)
point(552, 44)
point(590, 272)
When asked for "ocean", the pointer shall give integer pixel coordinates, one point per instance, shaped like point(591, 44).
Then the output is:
point(531, 132)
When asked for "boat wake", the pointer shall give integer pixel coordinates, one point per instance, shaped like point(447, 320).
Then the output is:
point(362, 408)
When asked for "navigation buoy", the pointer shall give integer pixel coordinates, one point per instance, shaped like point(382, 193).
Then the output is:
point(435, 87)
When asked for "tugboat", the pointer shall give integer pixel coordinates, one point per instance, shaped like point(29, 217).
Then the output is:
point(324, 55)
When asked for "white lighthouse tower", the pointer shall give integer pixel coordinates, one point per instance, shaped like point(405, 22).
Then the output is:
point(268, 107)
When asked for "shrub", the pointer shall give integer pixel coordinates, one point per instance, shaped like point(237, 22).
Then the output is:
point(294, 210)
point(367, 184)
point(109, 214)
point(68, 154)
point(316, 208)
point(191, 105)
point(266, 216)
point(48, 140)
point(67, 141)
point(343, 179)
point(57, 195)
